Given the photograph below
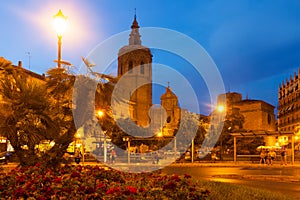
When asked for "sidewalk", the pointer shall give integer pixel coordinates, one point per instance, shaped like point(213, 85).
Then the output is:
point(184, 164)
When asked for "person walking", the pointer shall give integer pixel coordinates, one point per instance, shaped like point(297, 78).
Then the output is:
point(113, 156)
point(262, 156)
point(213, 156)
point(267, 157)
point(272, 156)
point(155, 158)
point(283, 156)
point(77, 156)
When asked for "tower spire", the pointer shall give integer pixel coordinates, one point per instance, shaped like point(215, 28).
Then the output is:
point(135, 37)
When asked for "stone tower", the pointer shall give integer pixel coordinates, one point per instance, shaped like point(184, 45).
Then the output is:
point(135, 63)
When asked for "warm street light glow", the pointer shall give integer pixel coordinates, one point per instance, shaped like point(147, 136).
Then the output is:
point(159, 134)
point(100, 113)
point(60, 23)
point(77, 135)
point(221, 108)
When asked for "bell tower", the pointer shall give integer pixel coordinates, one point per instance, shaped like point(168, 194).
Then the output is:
point(169, 102)
point(135, 62)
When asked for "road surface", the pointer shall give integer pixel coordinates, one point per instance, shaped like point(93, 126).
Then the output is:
point(279, 179)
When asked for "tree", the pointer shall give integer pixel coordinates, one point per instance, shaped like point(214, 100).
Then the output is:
point(4, 63)
point(35, 112)
point(60, 89)
point(25, 120)
point(201, 132)
point(233, 122)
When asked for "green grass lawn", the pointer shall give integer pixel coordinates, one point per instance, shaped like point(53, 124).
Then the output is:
point(226, 191)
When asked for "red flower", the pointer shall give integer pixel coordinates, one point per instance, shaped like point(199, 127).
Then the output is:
point(100, 185)
point(28, 185)
point(79, 168)
point(38, 164)
point(110, 191)
point(142, 189)
point(75, 174)
point(46, 179)
point(89, 190)
point(113, 190)
point(57, 180)
point(41, 198)
point(170, 185)
point(131, 189)
point(81, 188)
point(175, 177)
point(187, 176)
point(19, 192)
point(46, 189)
point(20, 179)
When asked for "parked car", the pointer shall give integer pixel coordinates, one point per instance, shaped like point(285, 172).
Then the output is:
point(4, 156)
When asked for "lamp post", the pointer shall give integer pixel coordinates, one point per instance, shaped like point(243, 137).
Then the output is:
point(128, 148)
point(99, 115)
point(60, 23)
point(220, 109)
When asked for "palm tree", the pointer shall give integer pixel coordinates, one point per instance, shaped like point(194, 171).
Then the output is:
point(4, 63)
point(25, 121)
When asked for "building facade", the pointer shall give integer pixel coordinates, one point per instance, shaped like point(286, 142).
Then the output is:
point(289, 104)
point(257, 115)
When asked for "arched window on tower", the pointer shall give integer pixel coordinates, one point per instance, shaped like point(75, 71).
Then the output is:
point(142, 68)
point(130, 66)
point(168, 119)
point(121, 70)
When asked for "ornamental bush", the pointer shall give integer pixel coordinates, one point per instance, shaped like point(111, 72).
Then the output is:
point(94, 182)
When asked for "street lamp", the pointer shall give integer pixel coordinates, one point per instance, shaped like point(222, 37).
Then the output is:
point(220, 109)
point(126, 139)
point(60, 24)
point(159, 134)
point(100, 115)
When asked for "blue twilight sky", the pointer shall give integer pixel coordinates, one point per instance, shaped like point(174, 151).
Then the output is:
point(255, 44)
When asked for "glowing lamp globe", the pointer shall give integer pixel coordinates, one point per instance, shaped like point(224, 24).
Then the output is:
point(60, 23)
point(221, 108)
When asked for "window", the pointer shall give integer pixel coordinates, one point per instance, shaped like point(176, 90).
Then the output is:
point(142, 68)
point(168, 119)
point(130, 65)
point(269, 119)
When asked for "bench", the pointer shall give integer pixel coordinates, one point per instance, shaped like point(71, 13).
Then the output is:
point(252, 158)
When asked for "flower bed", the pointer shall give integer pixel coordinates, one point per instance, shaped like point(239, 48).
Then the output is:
point(93, 182)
